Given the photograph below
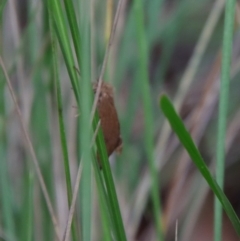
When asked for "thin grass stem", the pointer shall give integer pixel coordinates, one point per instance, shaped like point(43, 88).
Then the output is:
point(33, 154)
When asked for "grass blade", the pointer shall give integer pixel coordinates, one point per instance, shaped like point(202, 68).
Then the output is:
point(63, 38)
point(222, 116)
point(143, 67)
point(61, 123)
point(84, 120)
point(28, 215)
point(186, 140)
point(113, 201)
point(5, 187)
point(71, 15)
point(103, 204)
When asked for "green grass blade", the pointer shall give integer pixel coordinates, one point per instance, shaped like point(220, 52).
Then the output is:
point(73, 26)
point(153, 9)
point(84, 120)
point(61, 123)
point(148, 113)
point(108, 178)
point(186, 140)
point(5, 186)
point(29, 208)
point(63, 38)
point(103, 204)
point(223, 106)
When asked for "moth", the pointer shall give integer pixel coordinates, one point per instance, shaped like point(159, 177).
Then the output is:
point(109, 118)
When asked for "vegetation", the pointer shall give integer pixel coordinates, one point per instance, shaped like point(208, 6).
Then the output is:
point(51, 141)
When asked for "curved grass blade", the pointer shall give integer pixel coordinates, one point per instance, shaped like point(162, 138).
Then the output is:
point(187, 141)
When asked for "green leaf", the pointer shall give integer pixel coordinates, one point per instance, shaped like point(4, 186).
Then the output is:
point(187, 141)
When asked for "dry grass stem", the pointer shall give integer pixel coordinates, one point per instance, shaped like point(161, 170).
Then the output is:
point(106, 58)
point(33, 154)
point(75, 192)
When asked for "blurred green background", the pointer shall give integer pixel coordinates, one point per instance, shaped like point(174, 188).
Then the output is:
point(182, 44)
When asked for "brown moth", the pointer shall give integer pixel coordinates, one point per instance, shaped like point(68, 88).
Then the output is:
point(109, 118)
